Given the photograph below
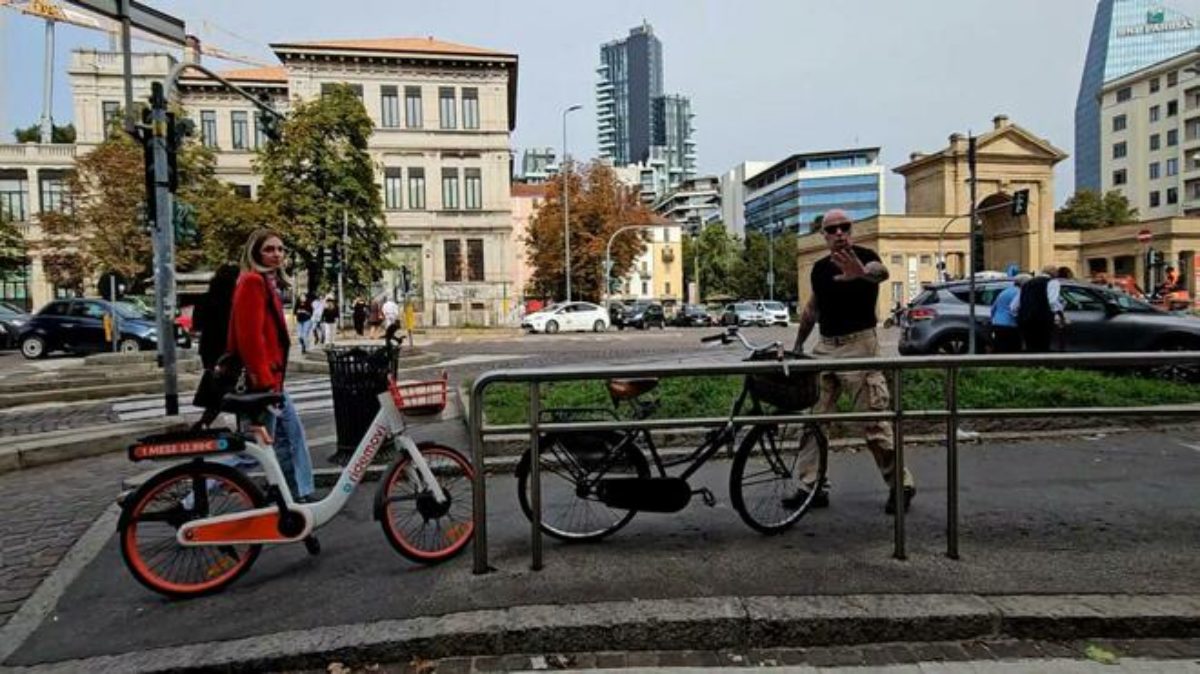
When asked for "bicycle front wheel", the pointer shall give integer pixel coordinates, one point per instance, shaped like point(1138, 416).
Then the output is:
point(154, 513)
point(572, 465)
point(415, 523)
point(767, 472)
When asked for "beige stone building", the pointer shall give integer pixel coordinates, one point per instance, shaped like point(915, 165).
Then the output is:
point(443, 116)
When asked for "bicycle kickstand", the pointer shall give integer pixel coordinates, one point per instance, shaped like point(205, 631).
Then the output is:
point(706, 496)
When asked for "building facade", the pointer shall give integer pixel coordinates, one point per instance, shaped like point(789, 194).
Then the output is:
point(692, 204)
point(630, 77)
point(1150, 137)
point(1127, 36)
point(792, 193)
point(733, 195)
point(538, 164)
point(657, 274)
point(671, 130)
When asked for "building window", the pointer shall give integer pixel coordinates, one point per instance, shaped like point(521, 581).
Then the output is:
point(242, 191)
point(453, 248)
point(1118, 123)
point(1154, 170)
point(1124, 94)
point(474, 259)
point(389, 106)
point(1119, 177)
point(925, 260)
point(111, 112)
point(260, 138)
point(241, 128)
point(1173, 167)
point(1154, 199)
point(474, 185)
point(208, 128)
point(1172, 137)
point(1172, 195)
point(446, 107)
point(1154, 141)
point(645, 287)
point(14, 192)
point(1172, 108)
point(1119, 150)
point(1154, 85)
point(416, 189)
point(1154, 113)
point(356, 89)
point(450, 189)
point(53, 188)
point(1172, 78)
point(412, 107)
point(470, 106)
point(392, 188)
point(897, 259)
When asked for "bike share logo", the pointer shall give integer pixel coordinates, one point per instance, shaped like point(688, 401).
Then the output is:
point(359, 468)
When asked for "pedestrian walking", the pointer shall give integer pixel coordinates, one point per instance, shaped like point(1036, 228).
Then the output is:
point(1006, 336)
point(358, 313)
point(258, 336)
point(845, 292)
point(391, 312)
point(374, 318)
point(304, 322)
point(318, 310)
point(1039, 310)
point(329, 319)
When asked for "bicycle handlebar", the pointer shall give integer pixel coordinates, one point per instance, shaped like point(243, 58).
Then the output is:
point(731, 333)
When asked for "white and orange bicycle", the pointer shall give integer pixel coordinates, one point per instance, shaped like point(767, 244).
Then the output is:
point(195, 527)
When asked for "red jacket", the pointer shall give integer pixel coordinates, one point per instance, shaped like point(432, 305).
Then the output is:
point(259, 338)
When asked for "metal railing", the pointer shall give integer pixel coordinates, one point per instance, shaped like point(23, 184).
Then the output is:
point(951, 365)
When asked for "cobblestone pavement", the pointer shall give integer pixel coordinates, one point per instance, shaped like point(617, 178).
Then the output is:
point(50, 417)
point(998, 656)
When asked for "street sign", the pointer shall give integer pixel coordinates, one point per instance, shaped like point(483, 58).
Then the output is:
point(1144, 236)
point(140, 16)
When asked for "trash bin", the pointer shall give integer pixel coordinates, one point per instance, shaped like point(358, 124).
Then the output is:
point(357, 375)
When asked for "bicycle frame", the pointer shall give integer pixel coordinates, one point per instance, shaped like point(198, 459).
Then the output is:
point(262, 525)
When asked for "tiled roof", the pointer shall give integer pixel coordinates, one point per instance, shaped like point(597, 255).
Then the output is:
point(424, 45)
point(273, 74)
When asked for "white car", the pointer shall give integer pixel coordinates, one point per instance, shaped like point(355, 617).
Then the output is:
point(774, 313)
point(579, 316)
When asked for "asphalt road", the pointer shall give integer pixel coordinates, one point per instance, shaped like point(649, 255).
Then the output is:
point(1101, 514)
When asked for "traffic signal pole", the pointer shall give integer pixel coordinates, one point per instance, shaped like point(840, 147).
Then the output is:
point(164, 248)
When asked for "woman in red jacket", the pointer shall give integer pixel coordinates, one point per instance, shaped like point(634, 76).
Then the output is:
point(258, 334)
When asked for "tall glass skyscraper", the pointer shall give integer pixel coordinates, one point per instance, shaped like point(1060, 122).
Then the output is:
point(631, 76)
point(671, 128)
point(1127, 35)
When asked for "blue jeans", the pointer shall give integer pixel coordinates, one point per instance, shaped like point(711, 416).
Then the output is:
point(291, 449)
point(302, 330)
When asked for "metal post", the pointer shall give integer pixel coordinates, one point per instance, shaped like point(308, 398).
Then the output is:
point(898, 475)
point(47, 121)
point(479, 489)
point(341, 300)
point(164, 244)
point(771, 263)
point(974, 247)
point(535, 476)
point(564, 171)
point(112, 303)
point(127, 67)
point(952, 463)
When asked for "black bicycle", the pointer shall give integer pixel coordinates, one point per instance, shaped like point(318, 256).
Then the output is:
point(593, 483)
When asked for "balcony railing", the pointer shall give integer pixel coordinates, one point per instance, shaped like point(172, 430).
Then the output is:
point(34, 151)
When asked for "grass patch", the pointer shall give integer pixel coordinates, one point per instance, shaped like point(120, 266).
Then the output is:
point(982, 388)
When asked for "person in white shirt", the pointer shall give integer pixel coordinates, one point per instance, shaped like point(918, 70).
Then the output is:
point(391, 311)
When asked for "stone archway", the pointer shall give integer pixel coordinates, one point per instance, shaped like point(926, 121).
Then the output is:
point(1003, 234)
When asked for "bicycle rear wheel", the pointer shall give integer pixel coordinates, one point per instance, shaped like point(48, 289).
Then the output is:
point(766, 472)
point(154, 513)
point(417, 526)
point(572, 464)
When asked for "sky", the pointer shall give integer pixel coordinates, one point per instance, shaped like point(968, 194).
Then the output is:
point(768, 78)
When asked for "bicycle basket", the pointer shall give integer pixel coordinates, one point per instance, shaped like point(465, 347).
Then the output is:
point(791, 392)
point(418, 398)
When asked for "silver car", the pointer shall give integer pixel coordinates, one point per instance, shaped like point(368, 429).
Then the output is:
point(775, 313)
point(742, 314)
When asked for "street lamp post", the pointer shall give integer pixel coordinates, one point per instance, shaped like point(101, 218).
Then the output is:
point(608, 257)
point(771, 262)
point(563, 171)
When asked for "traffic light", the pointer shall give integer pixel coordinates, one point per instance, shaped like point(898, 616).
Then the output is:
point(406, 279)
point(268, 122)
point(1020, 203)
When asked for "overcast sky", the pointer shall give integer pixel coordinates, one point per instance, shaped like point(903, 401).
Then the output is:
point(767, 78)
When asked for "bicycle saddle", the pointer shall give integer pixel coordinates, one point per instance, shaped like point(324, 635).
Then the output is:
point(250, 403)
point(623, 389)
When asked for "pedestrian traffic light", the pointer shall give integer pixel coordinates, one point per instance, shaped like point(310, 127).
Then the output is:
point(1020, 203)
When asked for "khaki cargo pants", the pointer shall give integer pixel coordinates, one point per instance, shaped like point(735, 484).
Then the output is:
point(868, 391)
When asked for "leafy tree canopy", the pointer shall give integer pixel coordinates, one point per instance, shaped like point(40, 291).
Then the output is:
point(33, 134)
point(1087, 209)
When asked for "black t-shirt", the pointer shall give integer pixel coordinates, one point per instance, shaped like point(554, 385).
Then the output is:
point(844, 307)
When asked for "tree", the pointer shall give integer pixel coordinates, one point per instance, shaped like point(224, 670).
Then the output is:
point(600, 205)
point(1086, 209)
point(719, 253)
point(318, 174)
point(33, 134)
point(12, 248)
point(753, 266)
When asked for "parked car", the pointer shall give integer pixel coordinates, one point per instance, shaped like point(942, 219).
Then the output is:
point(1098, 319)
point(578, 316)
point(742, 314)
point(12, 321)
point(643, 315)
point(77, 326)
point(775, 313)
point(692, 315)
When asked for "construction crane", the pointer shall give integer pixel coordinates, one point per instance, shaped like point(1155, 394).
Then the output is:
point(53, 13)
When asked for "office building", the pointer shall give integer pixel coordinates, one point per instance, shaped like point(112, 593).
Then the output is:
point(733, 195)
point(1127, 36)
point(671, 130)
point(538, 164)
point(631, 76)
point(790, 194)
point(692, 204)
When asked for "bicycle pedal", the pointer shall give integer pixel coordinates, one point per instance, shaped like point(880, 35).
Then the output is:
point(707, 497)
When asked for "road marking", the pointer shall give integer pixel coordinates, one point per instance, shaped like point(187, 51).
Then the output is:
point(302, 391)
point(1189, 445)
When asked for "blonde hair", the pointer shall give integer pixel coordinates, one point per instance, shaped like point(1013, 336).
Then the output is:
point(252, 254)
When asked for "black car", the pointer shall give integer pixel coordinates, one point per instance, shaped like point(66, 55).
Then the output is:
point(77, 326)
point(12, 321)
point(692, 316)
point(642, 315)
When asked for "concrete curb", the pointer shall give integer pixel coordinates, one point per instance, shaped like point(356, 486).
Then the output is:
point(678, 624)
point(98, 392)
point(42, 449)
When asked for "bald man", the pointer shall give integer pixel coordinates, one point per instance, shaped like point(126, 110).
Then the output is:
point(845, 291)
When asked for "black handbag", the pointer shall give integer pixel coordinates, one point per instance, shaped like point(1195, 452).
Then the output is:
point(227, 376)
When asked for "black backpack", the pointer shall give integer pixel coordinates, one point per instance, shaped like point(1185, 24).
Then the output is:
point(1035, 307)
